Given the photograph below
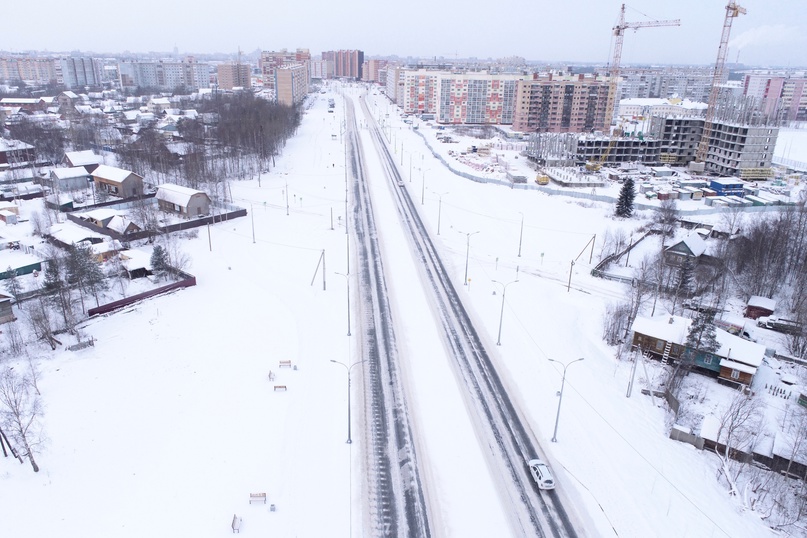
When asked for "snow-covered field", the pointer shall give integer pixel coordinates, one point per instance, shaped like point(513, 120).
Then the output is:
point(170, 421)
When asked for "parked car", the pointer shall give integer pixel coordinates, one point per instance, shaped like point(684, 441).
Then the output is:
point(541, 474)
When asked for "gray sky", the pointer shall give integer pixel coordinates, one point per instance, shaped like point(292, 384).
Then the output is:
point(774, 32)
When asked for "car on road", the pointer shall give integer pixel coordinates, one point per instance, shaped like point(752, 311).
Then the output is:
point(400, 183)
point(541, 474)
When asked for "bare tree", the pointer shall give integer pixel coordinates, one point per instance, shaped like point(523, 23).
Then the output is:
point(20, 412)
point(738, 424)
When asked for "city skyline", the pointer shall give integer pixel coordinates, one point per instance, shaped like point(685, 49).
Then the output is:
point(772, 33)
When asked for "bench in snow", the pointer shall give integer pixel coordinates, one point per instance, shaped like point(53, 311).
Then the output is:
point(257, 497)
point(280, 387)
point(285, 364)
point(236, 524)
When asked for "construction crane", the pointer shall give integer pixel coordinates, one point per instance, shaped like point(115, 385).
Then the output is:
point(733, 10)
point(613, 70)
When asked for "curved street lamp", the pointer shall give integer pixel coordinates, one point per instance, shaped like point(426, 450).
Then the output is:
point(348, 369)
point(560, 394)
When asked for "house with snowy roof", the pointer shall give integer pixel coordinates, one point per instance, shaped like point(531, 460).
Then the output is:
point(68, 179)
point(182, 200)
point(664, 337)
point(117, 181)
point(87, 158)
point(689, 248)
point(759, 306)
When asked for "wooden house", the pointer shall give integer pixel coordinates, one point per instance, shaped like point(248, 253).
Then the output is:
point(182, 200)
point(117, 182)
point(664, 337)
point(691, 247)
point(15, 153)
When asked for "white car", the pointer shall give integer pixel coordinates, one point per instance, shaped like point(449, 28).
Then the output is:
point(541, 474)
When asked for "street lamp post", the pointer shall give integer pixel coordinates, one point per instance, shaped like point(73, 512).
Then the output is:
point(347, 280)
point(501, 315)
point(467, 252)
point(560, 394)
point(423, 185)
point(439, 209)
point(348, 368)
point(520, 233)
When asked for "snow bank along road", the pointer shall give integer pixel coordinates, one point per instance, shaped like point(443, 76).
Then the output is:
point(396, 495)
point(509, 443)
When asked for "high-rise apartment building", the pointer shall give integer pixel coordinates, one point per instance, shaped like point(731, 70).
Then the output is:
point(71, 71)
point(291, 83)
point(371, 70)
point(563, 104)
point(78, 71)
point(476, 98)
point(321, 69)
point(784, 96)
point(347, 63)
point(271, 60)
point(234, 75)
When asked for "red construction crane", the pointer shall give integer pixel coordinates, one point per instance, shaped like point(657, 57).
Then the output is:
point(733, 10)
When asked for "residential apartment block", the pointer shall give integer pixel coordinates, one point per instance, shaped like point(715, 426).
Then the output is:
point(291, 83)
point(692, 83)
point(71, 71)
point(778, 94)
point(371, 70)
point(321, 69)
point(234, 75)
point(476, 98)
point(271, 60)
point(164, 74)
point(639, 107)
point(563, 104)
point(347, 63)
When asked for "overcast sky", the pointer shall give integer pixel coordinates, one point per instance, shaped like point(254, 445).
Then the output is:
point(774, 32)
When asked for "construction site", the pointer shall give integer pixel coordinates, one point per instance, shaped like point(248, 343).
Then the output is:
point(732, 138)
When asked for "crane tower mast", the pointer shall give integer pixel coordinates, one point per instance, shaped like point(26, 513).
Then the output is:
point(733, 10)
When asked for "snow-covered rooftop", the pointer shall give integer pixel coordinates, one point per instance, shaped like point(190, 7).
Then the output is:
point(111, 173)
point(762, 302)
point(67, 173)
point(81, 158)
point(176, 194)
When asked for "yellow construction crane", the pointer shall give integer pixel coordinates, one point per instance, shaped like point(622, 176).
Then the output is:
point(613, 69)
point(733, 10)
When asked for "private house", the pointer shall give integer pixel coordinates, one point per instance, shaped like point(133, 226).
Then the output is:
point(759, 306)
point(87, 158)
point(182, 200)
point(158, 105)
point(664, 337)
point(15, 153)
point(122, 225)
point(100, 217)
point(117, 182)
point(68, 179)
point(689, 248)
